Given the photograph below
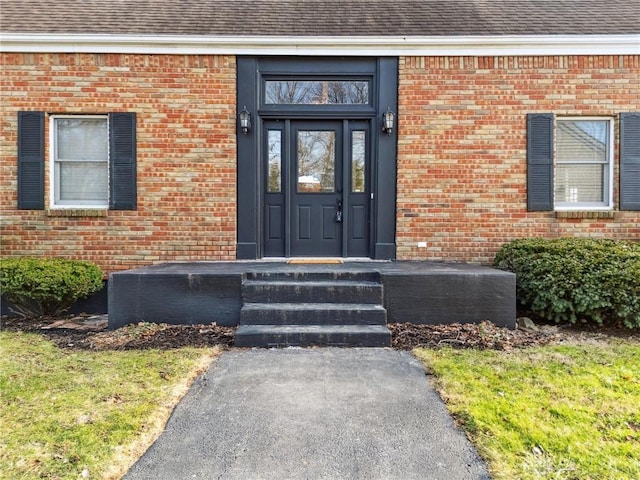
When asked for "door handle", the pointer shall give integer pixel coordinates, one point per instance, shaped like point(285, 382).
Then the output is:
point(339, 212)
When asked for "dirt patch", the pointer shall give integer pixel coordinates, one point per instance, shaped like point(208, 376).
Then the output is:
point(91, 333)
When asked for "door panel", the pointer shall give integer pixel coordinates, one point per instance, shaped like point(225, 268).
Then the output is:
point(274, 221)
point(304, 222)
point(358, 222)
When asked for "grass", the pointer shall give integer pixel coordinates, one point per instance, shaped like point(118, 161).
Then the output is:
point(555, 412)
point(73, 414)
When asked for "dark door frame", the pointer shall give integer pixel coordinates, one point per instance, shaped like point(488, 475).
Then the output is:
point(383, 75)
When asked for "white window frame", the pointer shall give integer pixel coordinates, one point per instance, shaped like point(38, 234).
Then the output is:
point(54, 182)
point(608, 171)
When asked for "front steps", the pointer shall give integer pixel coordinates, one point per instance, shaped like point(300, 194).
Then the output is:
point(337, 308)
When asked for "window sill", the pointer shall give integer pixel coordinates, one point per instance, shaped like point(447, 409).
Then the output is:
point(588, 214)
point(77, 212)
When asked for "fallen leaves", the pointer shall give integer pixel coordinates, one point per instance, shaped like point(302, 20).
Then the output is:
point(482, 336)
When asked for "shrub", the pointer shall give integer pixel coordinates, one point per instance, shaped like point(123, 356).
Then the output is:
point(47, 286)
point(571, 279)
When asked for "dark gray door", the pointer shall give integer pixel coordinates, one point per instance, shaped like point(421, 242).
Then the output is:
point(317, 191)
point(317, 188)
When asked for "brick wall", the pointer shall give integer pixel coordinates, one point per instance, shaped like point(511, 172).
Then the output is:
point(461, 156)
point(462, 148)
point(186, 156)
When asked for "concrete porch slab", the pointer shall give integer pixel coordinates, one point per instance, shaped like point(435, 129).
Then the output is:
point(416, 292)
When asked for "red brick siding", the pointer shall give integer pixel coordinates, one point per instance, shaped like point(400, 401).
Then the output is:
point(186, 156)
point(462, 148)
point(461, 159)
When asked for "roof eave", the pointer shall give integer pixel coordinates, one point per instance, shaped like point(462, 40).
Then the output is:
point(303, 45)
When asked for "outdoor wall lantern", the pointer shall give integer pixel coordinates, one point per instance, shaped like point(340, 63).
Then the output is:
point(245, 120)
point(388, 119)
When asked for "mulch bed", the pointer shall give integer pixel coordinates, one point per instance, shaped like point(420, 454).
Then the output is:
point(90, 333)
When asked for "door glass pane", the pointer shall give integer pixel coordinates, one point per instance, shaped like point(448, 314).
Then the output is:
point(316, 92)
point(358, 173)
point(316, 161)
point(274, 151)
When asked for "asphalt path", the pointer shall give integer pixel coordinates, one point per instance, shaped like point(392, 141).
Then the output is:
point(325, 413)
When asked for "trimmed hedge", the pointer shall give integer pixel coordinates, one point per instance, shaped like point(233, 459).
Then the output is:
point(571, 279)
point(47, 286)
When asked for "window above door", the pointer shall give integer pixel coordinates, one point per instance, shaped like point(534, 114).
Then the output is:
point(317, 92)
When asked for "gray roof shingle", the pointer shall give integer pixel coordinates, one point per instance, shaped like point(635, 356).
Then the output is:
point(322, 18)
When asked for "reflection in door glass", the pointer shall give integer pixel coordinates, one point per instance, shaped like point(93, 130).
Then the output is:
point(357, 161)
point(279, 92)
point(316, 161)
point(274, 150)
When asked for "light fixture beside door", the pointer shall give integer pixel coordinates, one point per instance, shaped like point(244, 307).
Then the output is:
point(245, 120)
point(388, 121)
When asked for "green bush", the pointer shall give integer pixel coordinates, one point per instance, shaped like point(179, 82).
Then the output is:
point(571, 279)
point(47, 286)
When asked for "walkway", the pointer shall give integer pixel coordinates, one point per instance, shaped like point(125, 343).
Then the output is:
point(311, 414)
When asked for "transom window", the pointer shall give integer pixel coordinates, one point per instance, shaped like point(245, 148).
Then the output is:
point(80, 161)
point(583, 163)
point(317, 92)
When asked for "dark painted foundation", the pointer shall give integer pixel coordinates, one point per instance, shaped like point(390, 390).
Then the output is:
point(416, 292)
point(95, 304)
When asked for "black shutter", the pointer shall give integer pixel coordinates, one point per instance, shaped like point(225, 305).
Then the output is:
point(122, 161)
point(630, 161)
point(540, 161)
point(31, 160)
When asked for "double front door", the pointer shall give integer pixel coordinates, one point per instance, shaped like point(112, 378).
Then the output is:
point(317, 188)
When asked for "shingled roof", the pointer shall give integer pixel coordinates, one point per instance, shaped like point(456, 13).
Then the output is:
point(321, 18)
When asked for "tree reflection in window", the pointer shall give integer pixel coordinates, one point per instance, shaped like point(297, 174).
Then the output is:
point(316, 161)
point(274, 139)
point(296, 92)
point(357, 161)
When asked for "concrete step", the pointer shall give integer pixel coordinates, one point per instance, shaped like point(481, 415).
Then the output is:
point(311, 291)
point(312, 314)
point(314, 276)
point(312, 335)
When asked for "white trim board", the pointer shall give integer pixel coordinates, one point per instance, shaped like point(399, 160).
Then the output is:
point(326, 46)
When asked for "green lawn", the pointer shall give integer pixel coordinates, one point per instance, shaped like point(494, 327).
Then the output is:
point(69, 414)
point(555, 412)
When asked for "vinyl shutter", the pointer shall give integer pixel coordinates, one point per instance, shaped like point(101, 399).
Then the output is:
point(630, 161)
point(540, 161)
point(122, 161)
point(31, 160)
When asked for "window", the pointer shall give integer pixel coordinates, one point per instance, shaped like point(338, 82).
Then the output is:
point(358, 163)
point(570, 162)
point(80, 157)
point(583, 163)
point(93, 161)
point(317, 92)
point(274, 168)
